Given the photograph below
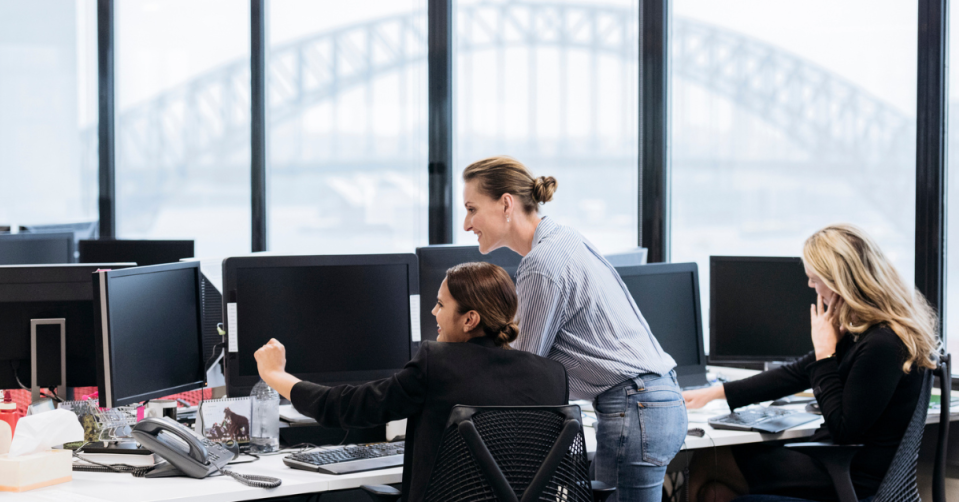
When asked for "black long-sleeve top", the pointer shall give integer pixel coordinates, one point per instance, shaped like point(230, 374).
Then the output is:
point(440, 376)
point(864, 395)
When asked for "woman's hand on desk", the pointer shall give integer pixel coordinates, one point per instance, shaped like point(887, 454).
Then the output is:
point(271, 365)
point(701, 397)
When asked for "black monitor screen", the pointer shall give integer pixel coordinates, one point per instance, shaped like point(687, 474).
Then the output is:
point(140, 252)
point(29, 249)
point(668, 303)
point(434, 261)
point(343, 322)
point(759, 309)
point(154, 333)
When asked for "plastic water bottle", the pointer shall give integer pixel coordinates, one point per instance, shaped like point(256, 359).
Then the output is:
point(265, 433)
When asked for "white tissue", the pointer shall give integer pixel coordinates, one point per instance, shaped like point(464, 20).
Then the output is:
point(41, 432)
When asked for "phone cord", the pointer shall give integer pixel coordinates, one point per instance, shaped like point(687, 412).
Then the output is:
point(137, 471)
point(251, 479)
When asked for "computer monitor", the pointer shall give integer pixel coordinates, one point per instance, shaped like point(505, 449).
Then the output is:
point(141, 252)
point(37, 249)
point(759, 309)
point(667, 295)
point(343, 319)
point(81, 231)
point(37, 292)
point(633, 257)
point(148, 326)
point(434, 261)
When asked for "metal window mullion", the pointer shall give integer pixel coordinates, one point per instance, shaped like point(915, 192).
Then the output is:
point(440, 77)
point(931, 153)
point(106, 202)
point(654, 129)
point(258, 124)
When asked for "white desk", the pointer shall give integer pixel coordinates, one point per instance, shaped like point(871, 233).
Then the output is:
point(95, 486)
point(113, 487)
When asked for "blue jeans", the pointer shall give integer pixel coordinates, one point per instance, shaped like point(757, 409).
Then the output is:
point(641, 426)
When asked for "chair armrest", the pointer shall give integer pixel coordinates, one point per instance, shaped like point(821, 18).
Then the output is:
point(836, 458)
point(382, 493)
point(601, 491)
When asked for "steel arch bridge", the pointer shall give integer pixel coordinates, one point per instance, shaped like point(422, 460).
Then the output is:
point(205, 122)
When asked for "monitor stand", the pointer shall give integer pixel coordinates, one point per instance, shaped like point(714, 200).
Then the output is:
point(48, 338)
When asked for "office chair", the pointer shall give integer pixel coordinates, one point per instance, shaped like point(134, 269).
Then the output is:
point(522, 453)
point(899, 483)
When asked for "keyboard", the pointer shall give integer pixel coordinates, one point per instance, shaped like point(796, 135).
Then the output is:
point(357, 458)
point(769, 420)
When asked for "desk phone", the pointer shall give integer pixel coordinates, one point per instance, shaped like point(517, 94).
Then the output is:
point(185, 453)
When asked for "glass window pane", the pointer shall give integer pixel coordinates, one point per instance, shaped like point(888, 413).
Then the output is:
point(785, 120)
point(48, 112)
point(183, 122)
point(347, 126)
point(554, 85)
point(951, 316)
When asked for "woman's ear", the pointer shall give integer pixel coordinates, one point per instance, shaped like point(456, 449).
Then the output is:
point(472, 320)
point(507, 202)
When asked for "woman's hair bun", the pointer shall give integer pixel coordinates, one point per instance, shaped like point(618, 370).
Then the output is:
point(507, 335)
point(543, 188)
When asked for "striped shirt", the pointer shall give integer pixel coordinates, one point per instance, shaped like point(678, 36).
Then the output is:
point(574, 308)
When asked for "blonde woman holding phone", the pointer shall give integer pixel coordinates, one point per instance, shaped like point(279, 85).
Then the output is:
point(873, 335)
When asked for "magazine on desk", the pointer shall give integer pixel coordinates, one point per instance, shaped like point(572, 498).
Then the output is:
point(227, 419)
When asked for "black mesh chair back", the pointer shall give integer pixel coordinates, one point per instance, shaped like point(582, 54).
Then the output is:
point(899, 483)
point(511, 454)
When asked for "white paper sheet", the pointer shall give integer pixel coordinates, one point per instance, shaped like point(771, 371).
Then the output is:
point(231, 327)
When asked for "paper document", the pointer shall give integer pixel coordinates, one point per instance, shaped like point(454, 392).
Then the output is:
point(231, 327)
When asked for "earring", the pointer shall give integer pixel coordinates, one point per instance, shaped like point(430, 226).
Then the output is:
point(507, 219)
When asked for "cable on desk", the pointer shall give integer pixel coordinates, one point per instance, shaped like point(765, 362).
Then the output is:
point(137, 471)
point(251, 479)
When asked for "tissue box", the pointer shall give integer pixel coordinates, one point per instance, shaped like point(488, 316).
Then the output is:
point(35, 470)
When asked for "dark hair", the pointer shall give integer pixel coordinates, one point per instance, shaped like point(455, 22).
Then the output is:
point(502, 174)
point(487, 289)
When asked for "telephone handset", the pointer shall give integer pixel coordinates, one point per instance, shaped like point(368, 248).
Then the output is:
point(185, 453)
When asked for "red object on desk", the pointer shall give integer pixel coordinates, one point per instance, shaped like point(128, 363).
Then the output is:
point(8, 412)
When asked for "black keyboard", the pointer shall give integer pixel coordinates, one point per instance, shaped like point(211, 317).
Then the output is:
point(350, 459)
point(770, 420)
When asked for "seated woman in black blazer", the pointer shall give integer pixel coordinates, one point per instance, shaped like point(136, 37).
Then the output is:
point(873, 335)
point(476, 304)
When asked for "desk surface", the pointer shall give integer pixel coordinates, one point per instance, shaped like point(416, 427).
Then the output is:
point(95, 486)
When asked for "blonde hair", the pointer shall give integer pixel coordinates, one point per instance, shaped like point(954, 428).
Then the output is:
point(487, 289)
point(501, 175)
point(851, 264)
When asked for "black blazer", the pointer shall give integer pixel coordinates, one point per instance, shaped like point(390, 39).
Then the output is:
point(440, 376)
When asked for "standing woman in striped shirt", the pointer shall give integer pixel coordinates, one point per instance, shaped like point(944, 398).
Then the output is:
point(575, 309)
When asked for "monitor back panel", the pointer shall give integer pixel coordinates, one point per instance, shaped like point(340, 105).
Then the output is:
point(48, 292)
point(668, 298)
point(759, 309)
point(434, 261)
point(36, 249)
point(141, 252)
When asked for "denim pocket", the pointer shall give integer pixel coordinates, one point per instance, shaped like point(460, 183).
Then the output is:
point(663, 426)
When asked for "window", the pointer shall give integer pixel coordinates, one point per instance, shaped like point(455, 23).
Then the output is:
point(183, 122)
point(347, 126)
point(787, 117)
point(951, 315)
point(48, 112)
point(554, 85)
